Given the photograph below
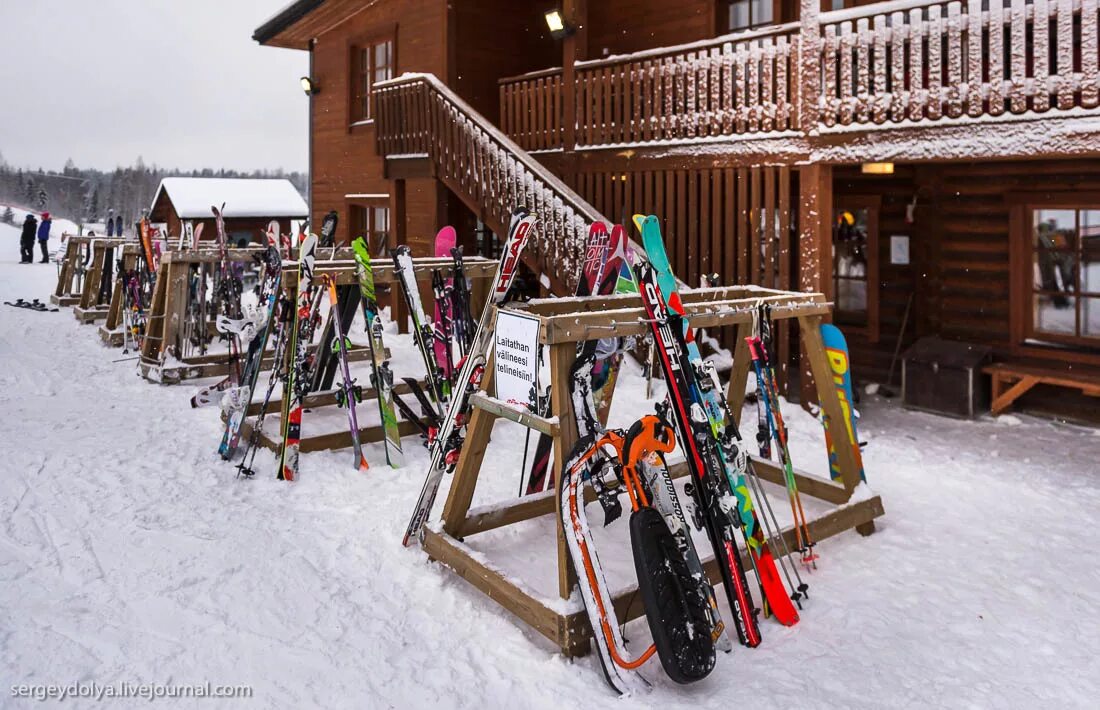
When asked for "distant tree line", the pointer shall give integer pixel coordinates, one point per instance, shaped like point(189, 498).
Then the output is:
point(86, 194)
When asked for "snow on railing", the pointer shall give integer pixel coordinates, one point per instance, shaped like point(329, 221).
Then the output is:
point(905, 60)
point(418, 114)
point(929, 60)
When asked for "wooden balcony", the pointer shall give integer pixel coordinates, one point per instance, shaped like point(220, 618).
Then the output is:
point(901, 64)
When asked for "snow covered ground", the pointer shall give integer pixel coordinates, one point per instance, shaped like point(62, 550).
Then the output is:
point(130, 553)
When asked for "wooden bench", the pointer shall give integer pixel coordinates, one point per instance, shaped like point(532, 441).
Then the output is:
point(1011, 381)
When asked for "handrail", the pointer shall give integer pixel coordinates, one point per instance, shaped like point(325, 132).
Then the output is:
point(418, 114)
point(734, 38)
point(900, 61)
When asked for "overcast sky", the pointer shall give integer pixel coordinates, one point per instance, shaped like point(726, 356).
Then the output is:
point(178, 82)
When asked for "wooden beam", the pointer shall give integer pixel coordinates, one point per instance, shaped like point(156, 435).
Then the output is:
point(480, 400)
point(444, 548)
point(814, 245)
point(1005, 399)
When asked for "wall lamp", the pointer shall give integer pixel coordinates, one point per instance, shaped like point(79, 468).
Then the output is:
point(559, 28)
point(309, 86)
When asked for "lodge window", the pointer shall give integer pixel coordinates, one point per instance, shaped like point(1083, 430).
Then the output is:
point(855, 265)
point(746, 14)
point(373, 223)
point(372, 62)
point(1064, 265)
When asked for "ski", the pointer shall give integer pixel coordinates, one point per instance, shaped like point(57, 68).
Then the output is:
point(349, 393)
point(381, 375)
point(443, 312)
point(601, 249)
point(836, 348)
point(257, 344)
point(422, 328)
point(448, 441)
point(731, 450)
point(709, 491)
point(294, 390)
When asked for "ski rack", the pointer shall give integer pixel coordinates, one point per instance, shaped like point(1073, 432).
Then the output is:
point(479, 270)
point(70, 274)
point(563, 323)
point(91, 308)
point(111, 332)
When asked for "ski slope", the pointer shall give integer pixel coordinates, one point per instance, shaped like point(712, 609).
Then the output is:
point(130, 553)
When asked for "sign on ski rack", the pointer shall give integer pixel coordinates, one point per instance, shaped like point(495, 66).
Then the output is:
point(516, 359)
point(562, 324)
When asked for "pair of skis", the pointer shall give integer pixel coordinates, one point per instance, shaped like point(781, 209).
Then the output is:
point(450, 436)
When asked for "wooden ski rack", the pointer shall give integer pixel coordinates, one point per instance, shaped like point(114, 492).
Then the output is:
point(479, 270)
point(71, 271)
point(563, 324)
point(90, 307)
point(166, 316)
point(111, 331)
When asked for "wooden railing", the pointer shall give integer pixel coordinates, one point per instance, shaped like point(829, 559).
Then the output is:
point(417, 115)
point(905, 60)
point(926, 61)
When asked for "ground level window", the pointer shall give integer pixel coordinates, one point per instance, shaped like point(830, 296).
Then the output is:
point(373, 223)
point(850, 251)
point(1065, 283)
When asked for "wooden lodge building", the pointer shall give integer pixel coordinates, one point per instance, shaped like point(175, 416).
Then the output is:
point(250, 204)
point(938, 155)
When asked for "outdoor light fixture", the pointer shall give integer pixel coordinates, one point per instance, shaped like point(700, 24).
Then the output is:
point(559, 28)
point(877, 169)
point(309, 86)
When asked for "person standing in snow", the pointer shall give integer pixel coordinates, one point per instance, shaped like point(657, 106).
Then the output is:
point(44, 237)
point(26, 240)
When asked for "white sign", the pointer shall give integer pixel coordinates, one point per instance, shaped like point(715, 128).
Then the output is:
point(516, 359)
point(899, 249)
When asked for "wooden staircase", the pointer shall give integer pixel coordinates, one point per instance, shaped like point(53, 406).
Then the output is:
point(423, 127)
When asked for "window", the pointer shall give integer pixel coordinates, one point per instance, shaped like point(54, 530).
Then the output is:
point(1065, 275)
point(371, 63)
point(855, 264)
point(373, 223)
point(744, 14)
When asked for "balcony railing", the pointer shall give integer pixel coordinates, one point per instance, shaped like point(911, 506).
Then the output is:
point(903, 61)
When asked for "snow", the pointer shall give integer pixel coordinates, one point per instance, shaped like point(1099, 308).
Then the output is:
point(243, 197)
point(130, 553)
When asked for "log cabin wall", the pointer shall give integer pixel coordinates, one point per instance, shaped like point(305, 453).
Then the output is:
point(960, 270)
point(343, 160)
point(621, 26)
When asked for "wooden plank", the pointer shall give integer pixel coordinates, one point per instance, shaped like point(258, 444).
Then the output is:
point(562, 356)
point(1040, 71)
point(444, 548)
point(470, 460)
point(1006, 398)
point(996, 66)
point(739, 374)
point(480, 400)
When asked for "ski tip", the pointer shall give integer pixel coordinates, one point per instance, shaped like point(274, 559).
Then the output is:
point(363, 465)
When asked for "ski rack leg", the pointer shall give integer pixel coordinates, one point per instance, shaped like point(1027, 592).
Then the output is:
point(739, 373)
point(562, 356)
point(470, 459)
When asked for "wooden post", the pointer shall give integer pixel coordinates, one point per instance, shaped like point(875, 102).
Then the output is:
point(809, 65)
point(562, 356)
point(574, 49)
point(397, 236)
point(469, 460)
point(815, 268)
point(739, 373)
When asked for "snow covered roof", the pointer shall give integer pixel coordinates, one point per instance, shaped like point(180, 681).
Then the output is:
point(243, 197)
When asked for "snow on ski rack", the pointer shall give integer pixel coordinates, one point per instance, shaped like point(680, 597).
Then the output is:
point(563, 323)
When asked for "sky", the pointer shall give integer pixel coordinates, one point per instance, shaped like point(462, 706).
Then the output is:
point(180, 83)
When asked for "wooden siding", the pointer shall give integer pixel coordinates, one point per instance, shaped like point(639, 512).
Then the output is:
point(960, 246)
point(621, 26)
point(344, 160)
